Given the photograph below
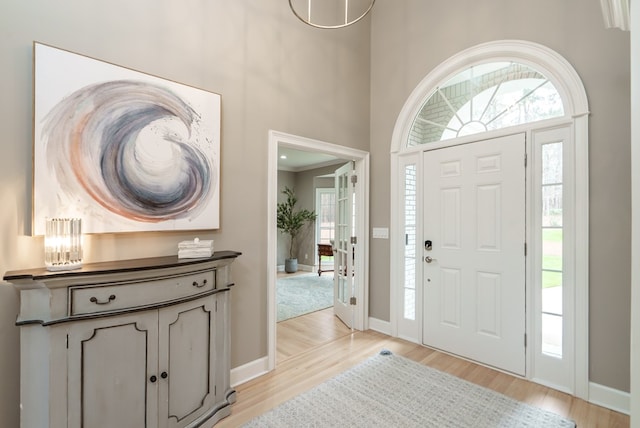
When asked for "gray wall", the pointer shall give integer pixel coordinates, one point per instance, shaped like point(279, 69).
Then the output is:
point(304, 184)
point(272, 71)
point(411, 37)
point(275, 73)
point(308, 181)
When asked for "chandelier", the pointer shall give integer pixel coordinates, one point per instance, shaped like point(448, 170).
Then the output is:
point(330, 14)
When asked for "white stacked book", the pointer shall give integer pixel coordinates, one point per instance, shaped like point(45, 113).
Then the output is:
point(195, 249)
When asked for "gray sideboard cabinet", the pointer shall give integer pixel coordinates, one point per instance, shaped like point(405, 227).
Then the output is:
point(127, 344)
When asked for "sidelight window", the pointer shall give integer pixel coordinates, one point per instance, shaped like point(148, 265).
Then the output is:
point(552, 249)
point(410, 194)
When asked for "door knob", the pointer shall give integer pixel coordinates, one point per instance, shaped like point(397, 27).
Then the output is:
point(429, 259)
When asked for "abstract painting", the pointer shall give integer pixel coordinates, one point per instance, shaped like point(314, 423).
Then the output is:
point(123, 150)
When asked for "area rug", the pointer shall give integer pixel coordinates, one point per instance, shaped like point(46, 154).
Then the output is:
point(301, 294)
point(391, 391)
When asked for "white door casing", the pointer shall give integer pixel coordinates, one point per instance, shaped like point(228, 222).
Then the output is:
point(343, 252)
point(361, 161)
point(474, 276)
point(576, 111)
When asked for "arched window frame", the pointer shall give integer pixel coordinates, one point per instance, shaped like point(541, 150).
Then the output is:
point(536, 56)
point(464, 104)
point(572, 92)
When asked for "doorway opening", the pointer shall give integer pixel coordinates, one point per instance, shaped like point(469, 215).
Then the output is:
point(486, 92)
point(358, 294)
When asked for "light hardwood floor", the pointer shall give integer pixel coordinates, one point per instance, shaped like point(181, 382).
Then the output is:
point(316, 347)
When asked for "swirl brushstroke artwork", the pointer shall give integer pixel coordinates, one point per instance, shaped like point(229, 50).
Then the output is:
point(123, 150)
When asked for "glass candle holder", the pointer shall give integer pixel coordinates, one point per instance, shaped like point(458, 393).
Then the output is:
point(63, 244)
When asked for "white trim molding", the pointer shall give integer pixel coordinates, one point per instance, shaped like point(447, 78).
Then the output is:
point(613, 399)
point(635, 215)
point(380, 326)
point(550, 63)
point(249, 371)
point(615, 14)
point(362, 168)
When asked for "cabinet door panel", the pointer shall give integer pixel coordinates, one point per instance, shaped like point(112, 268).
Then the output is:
point(109, 363)
point(186, 331)
point(221, 348)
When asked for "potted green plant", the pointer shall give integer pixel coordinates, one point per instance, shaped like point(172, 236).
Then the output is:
point(290, 222)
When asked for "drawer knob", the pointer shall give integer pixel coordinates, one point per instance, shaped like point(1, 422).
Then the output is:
point(195, 284)
point(153, 378)
point(164, 375)
point(106, 302)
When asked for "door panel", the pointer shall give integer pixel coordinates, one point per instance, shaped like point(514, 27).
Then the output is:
point(344, 249)
point(451, 227)
point(185, 330)
point(450, 303)
point(474, 214)
point(109, 368)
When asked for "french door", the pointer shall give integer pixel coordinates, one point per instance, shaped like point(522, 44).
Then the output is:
point(344, 247)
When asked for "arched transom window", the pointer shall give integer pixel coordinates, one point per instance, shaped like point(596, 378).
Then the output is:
point(485, 97)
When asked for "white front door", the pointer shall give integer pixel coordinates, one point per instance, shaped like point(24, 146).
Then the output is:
point(343, 247)
point(474, 264)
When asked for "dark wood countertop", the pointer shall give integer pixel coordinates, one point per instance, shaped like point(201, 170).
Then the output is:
point(130, 265)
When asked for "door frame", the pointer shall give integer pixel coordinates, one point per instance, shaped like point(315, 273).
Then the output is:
point(343, 278)
point(362, 165)
point(575, 101)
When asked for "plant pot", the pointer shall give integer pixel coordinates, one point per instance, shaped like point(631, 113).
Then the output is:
point(291, 265)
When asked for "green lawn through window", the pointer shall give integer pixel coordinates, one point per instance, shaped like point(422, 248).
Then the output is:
point(552, 257)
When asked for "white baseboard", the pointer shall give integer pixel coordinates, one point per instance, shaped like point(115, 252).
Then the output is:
point(304, 268)
point(249, 371)
point(380, 326)
point(610, 398)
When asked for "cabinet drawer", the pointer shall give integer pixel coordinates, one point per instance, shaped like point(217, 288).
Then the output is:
point(119, 296)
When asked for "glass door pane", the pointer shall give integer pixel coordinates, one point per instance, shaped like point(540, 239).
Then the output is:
point(410, 242)
point(552, 250)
